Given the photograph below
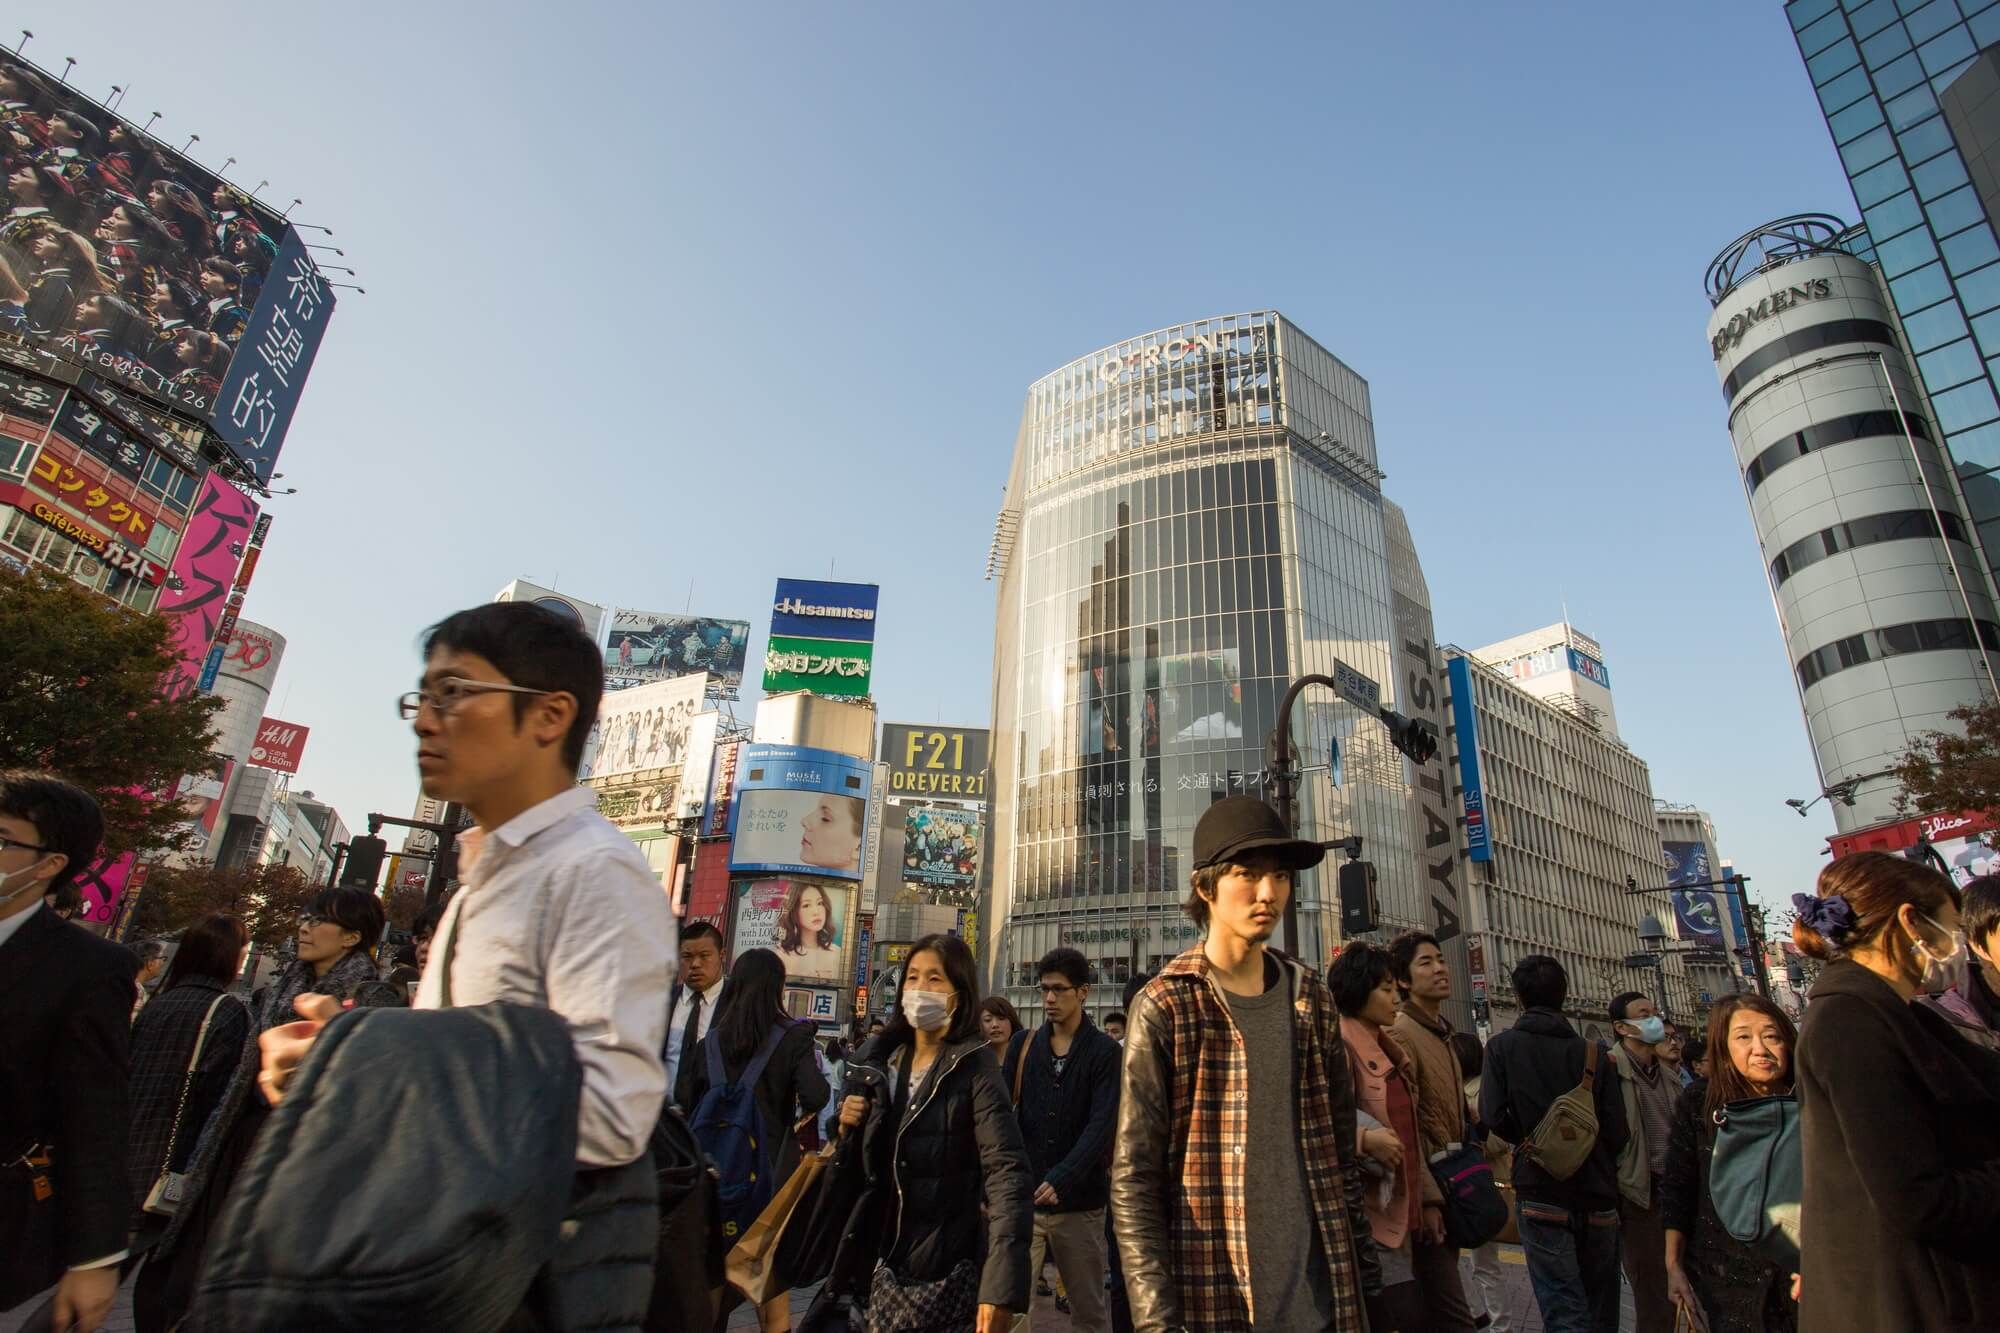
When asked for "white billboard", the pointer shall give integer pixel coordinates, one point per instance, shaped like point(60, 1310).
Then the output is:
point(644, 728)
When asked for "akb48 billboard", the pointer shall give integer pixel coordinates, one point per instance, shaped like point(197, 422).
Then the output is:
point(124, 261)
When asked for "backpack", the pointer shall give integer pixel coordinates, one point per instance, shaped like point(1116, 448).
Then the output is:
point(1756, 1178)
point(1562, 1141)
point(730, 1129)
point(483, 1105)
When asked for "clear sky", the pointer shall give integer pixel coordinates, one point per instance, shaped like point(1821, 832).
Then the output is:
point(667, 300)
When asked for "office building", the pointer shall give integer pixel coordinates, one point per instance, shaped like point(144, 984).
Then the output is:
point(1560, 824)
point(1561, 665)
point(1866, 534)
point(1193, 519)
point(1704, 922)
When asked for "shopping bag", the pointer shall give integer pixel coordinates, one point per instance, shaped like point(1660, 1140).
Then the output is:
point(751, 1267)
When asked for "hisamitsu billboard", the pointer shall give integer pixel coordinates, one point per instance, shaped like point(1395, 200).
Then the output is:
point(810, 609)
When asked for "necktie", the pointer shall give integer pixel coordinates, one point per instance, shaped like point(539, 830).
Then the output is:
point(691, 1032)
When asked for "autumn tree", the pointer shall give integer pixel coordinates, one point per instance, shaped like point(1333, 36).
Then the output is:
point(80, 698)
point(266, 898)
point(402, 905)
point(1943, 770)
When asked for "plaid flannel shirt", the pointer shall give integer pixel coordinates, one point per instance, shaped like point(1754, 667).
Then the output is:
point(1206, 1078)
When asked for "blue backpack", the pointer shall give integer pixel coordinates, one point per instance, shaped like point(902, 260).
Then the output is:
point(730, 1129)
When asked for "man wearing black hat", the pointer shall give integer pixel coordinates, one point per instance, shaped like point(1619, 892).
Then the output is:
point(1235, 1072)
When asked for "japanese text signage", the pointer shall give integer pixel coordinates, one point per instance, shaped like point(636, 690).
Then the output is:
point(279, 745)
point(799, 811)
point(196, 594)
point(949, 762)
point(89, 494)
point(261, 390)
point(822, 638)
point(824, 666)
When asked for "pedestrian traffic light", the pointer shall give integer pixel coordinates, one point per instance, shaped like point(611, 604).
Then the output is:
point(1413, 736)
point(364, 863)
point(1360, 909)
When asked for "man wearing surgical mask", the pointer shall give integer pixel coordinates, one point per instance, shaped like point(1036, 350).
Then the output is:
point(1970, 993)
point(1649, 1091)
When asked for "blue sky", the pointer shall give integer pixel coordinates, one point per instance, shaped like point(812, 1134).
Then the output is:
point(662, 295)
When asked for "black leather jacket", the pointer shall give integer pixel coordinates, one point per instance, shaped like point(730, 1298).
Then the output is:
point(956, 1143)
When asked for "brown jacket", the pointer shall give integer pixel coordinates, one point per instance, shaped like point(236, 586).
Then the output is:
point(1441, 1101)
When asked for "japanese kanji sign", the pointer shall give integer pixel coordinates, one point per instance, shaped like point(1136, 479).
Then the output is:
point(218, 532)
point(111, 550)
point(261, 390)
point(824, 666)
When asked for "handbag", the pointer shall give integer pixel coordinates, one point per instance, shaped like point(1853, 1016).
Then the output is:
point(164, 1199)
point(895, 1306)
point(1474, 1209)
point(1756, 1177)
point(752, 1266)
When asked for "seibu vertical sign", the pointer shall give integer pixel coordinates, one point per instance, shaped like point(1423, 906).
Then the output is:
point(279, 745)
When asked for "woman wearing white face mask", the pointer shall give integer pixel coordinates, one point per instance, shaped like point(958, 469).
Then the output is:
point(938, 1137)
point(1901, 1115)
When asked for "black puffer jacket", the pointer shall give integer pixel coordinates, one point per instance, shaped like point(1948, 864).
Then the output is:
point(956, 1143)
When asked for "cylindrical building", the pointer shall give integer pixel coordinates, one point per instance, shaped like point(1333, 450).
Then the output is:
point(1194, 518)
point(1887, 616)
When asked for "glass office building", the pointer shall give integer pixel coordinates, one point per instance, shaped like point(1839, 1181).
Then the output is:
point(1907, 89)
point(1193, 518)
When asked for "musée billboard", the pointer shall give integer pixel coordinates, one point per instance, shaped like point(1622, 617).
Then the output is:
point(798, 811)
point(128, 261)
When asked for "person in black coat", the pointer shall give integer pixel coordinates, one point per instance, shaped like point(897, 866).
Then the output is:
point(64, 1118)
point(791, 1085)
point(1900, 1115)
point(938, 1135)
point(170, 1106)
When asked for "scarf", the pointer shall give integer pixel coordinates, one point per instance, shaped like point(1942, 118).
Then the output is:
point(354, 977)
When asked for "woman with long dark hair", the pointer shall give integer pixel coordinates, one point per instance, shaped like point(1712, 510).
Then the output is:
point(336, 940)
point(193, 1004)
point(938, 1134)
point(789, 1088)
point(1900, 1114)
point(1726, 1286)
point(809, 931)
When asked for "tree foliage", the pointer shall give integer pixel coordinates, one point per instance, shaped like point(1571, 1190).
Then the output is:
point(1945, 771)
point(80, 698)
point(402, 904)
point(266, 898)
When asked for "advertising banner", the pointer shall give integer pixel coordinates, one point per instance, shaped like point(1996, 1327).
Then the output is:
point(799, 812)
point(89, 536)
point(697, 762)
point(1478, 837)
point(654, 645)
point(721, 789)
point(206, 300)
point(252, 654)
point(810, 609)
point(803, 921)
point(824, 666)
point(643, 728)
point(197, 586)
point(936, 761)
point(941, 846)
point(1694, 909)
point(708, 886)
point(279, 745)
point(645, 803)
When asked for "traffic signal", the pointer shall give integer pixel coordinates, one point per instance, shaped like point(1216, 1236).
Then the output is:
point(1360, 908)
point(1415, 737)
point(364, 863)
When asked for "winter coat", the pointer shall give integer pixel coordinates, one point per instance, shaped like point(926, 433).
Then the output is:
point(1527, 1067)
point(923, 1173)
point(1068, 1121)
point(1441, 1083)
point(1972, 1008)
point(163, 1038)
point(1901, 1124)
point(1372, 1058)
point(1635, 1160)
point(1740, 1290)
point(791, 1086)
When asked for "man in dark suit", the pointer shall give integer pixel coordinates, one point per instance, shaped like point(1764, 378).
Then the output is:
point(67, 998)
point(698, 998)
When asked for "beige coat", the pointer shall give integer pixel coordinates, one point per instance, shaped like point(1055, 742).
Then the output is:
point(1441, 1083)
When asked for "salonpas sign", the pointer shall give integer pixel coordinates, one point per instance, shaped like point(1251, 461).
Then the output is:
point(1730, 334)
point(824, 666)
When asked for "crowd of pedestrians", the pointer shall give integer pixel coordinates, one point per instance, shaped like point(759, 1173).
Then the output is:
point(1248, 1143)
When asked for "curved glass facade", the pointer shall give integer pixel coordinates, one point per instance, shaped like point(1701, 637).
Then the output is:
point(1196, 519)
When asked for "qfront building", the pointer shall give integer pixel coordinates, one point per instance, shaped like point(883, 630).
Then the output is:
point(1867, 541)
point(1193, 519)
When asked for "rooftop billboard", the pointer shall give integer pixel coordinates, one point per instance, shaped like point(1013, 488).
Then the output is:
point(655, 645)
point(799, 811)
point(121, 258)
point(822, 637)
point(645, 728)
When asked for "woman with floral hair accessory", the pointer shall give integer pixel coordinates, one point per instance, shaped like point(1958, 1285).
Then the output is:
point(1901, 1115)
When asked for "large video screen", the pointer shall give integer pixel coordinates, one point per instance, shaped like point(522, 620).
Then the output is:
point(122, 256)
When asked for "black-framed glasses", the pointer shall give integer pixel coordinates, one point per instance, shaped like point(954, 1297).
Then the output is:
point(450, 692)
point(1059, 990)
point(16, 845)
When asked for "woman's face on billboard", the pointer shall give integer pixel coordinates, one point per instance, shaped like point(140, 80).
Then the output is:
point(828, 836)
point(812, 912)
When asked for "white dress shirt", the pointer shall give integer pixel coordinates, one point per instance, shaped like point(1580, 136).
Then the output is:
point(677, 1026)
point(561, 911)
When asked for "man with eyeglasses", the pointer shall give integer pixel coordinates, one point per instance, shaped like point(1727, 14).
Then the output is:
point(1065, 1081)
point(64, 1122)
point(558, 909)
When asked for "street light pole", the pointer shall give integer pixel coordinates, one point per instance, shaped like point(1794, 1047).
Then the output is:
point(1753, 918)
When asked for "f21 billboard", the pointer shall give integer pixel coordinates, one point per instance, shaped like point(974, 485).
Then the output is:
point(122, 259)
